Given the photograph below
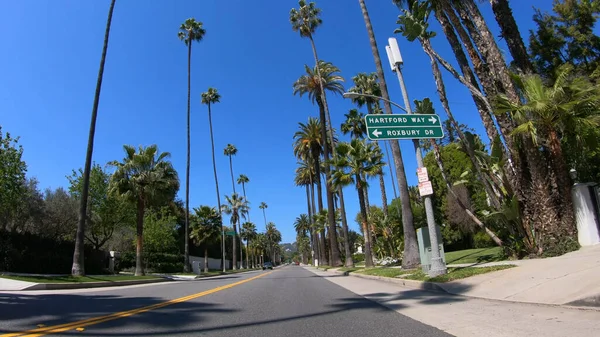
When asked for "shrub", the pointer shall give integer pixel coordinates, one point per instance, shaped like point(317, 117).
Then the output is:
point(358, 257)
point(482, 240)
point(153, 262)
point(31, 253)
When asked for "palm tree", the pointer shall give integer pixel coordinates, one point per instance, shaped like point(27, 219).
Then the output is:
point(231, 151)
point(307, 84)
point(304, 177)
point(210, 97)
point(206, 228)
point(263, 206)
point(78, 268)
point(260, 244)
point(146, 178)
point(305, 21)
point(309, 143)
point(248, 232)
point(190, 31)
point(366, 84)
point(273, 238)
point(354, 161)
point(411, 250)
point(549, 114)
point(237, 207)
point(243, 180)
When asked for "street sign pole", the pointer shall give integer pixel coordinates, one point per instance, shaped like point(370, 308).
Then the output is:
point(438, 267)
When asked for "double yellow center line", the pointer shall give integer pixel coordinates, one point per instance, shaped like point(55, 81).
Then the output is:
point(101, 319)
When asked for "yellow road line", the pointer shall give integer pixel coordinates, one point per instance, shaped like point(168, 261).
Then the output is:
point(100, 319)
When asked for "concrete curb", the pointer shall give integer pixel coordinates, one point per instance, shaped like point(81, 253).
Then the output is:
point(592, 303)
point(83, 285)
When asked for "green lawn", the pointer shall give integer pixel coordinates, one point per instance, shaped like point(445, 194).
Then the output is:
point(77, 279)
point(480, 255)
point(418, 275)
point(456, 273)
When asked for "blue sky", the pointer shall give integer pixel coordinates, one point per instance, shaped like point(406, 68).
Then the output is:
point(250, 54)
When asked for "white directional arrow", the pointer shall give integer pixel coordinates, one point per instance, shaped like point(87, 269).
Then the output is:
point(432, 120)
point(377, 133)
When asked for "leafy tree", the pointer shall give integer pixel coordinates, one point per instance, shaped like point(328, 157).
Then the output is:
point(106, 212)
point(567, 36)
point(60, 215)
point(159, 232)
point(12, 177)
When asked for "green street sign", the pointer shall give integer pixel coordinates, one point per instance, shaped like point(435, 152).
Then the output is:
point(230, 233)
point(404, 126)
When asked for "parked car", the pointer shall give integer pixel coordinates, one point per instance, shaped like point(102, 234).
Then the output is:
point(268, 265)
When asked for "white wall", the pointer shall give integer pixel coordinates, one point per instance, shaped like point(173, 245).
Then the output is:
point(586, 215)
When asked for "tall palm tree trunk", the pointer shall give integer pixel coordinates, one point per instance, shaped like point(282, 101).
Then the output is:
point(78, 268)
point(186, 258)
point(212, 143)
point(384, 201)
point(322, 251)
point(365, 225)
point(312, 224)
point(470, 151)
point(347, 251)
point(247, 253)
point(139, 262)
point(234, 247)
point(510, 32)
point(486, 116)
point(231, 170)
point(312, 244)
point(411, 250)
point(205, 257)
point(323, 113)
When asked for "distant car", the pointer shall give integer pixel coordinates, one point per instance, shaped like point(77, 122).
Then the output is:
point(268, 265)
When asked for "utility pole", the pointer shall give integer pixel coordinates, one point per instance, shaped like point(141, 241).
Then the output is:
point(438, 267)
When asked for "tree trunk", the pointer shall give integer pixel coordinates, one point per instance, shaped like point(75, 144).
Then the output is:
point(247, 253)
point(366, 193)
point(511, 34)
point(564, 185)
point(241, 250)
point(365, 224)
point(411, 249)
point(206, 258)
point(470, 151)
point(322, 251)
point(309, 216)
point(231, 170)
point(486, 116)
point(335, 260)
point(384, 202)
point(312, 222)
point(139, 262)
point(78, 267)
point(234, 247)
point(212, 144)
point(186, 254)
point(349, 262)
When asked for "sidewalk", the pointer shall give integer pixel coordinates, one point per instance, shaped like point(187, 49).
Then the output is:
point(472, 317)
point(572, 279)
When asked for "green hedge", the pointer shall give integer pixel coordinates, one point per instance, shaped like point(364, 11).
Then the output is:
point(153, 262)
point(31, 253)
point(358, 257)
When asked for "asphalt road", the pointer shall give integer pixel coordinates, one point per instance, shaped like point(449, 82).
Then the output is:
point(290, 301)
